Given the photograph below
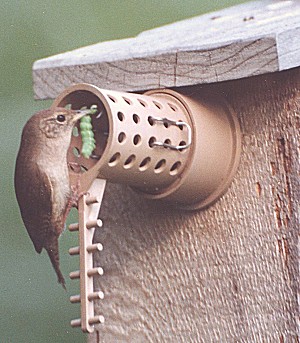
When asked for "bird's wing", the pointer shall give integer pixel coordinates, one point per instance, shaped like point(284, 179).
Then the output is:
point(34, 194)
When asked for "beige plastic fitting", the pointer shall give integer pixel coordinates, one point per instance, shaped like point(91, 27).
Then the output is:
point(179, 148)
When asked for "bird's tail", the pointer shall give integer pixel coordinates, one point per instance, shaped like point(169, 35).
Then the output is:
point(53, 253)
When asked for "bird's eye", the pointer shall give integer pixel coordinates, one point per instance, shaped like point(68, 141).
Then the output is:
point(61, 118)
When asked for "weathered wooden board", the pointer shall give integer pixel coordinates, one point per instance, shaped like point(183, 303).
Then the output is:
point(226, 274)
point(249, 39)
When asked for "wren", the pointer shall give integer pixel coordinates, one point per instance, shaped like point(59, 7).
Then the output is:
point(41, 180)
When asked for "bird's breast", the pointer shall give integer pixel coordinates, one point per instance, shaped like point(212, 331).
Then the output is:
point(59, 179)
point(61, 194)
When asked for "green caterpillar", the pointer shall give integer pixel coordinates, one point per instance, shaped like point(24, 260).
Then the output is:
point(87, 134)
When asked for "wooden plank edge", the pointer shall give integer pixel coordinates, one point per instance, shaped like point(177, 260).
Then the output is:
point(233, 60)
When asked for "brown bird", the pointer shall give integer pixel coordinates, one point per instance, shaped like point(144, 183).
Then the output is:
point(42, 180)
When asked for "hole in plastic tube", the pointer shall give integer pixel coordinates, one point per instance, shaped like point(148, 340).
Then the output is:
point(172, 107)
point(160, 166)
point(76, 152)
point(143, 103)
point(145, 164)
point(129, 162)
point(111, 98)
point(75, 131)
point(137, 139)
point(167, 141)
point(157, 104)
point(182, 143)
point(151, 121)
point(136, 118)
point(114, 159)
point(180, 126)
point(121, 137)
point(127, 101)
point(121, 116)
point(175, 168)
point(166, 124)
point(151, 141)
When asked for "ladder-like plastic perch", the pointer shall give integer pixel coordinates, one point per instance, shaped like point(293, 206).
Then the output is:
point(88, 210)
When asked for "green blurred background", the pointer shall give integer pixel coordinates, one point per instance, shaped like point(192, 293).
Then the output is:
point(34, 307)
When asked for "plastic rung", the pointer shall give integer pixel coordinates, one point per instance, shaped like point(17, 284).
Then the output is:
point(95, 247)
point(75, 299)
point(95, 271)
point(74, 251)
point(75, 323)
point(96, 320)
point(74, 275)
point(96, 296)
point(94, 223)
point(92, 200)
point(74, 227)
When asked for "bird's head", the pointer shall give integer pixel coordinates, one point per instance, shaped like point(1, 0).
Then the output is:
point(58, 122)
point(50, 131)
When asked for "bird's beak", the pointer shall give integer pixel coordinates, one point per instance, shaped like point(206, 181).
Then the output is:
point(79, 114)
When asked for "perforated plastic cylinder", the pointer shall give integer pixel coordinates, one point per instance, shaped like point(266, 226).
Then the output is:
point(126, 134)
point(134, 147)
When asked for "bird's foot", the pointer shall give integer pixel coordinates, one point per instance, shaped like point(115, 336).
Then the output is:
point(73, 199)
point(76, 195)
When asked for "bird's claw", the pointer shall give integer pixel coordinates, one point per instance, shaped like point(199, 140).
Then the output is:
point(76, 195)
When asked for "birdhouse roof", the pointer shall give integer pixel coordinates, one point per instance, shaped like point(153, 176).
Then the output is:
point(241, 41)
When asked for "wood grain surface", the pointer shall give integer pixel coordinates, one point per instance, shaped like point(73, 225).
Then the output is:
point(245, 40)
point(226, 274)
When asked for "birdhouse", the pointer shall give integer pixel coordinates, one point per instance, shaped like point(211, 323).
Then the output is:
point(196, 171)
